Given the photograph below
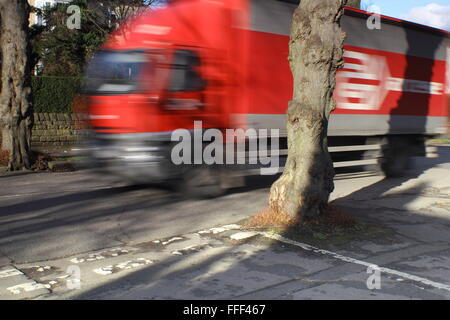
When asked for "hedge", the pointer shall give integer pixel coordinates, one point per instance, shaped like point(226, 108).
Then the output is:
point(54, 94)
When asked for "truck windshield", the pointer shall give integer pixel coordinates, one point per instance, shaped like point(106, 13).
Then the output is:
point(114, 72)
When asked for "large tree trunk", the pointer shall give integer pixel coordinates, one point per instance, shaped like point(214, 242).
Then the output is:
point(316, 53)
point(15, 107)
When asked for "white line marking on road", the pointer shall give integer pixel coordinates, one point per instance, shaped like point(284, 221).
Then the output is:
point(213, 230)
point(9, 273)
point(139, 262)
point(404, 275)
point(243, 235)
point(115, 252)
point(27, 287)
point(190, 249)
point(216, 230)
point(172, 240)
point(40, 268)
point(186, 249)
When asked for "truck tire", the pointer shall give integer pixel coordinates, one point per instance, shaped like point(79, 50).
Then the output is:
point(369, 155)
point(201, 182)
point(396, 158)
point(373, 155)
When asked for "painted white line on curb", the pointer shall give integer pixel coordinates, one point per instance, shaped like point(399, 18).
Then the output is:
point(404, 275)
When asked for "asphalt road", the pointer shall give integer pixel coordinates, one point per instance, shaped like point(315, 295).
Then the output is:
point(49, 216)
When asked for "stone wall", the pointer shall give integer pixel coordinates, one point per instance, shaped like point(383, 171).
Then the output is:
point(57, 129)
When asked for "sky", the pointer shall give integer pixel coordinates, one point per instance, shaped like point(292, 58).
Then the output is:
point(434, 13)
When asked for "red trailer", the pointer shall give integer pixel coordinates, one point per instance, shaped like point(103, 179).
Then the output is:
point(224, 63)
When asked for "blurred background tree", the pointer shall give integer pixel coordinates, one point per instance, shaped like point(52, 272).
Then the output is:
point(60, 51)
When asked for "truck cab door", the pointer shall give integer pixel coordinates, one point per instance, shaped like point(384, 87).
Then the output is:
point(186, 87)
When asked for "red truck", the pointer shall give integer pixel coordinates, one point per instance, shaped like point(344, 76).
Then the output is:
point(224, 64)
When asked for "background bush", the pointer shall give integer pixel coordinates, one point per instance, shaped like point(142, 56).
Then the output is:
point(54, 94)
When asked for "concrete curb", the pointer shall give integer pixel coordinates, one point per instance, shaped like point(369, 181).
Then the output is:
point(61, 165)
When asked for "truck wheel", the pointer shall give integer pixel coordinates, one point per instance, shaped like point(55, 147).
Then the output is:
point(373, 155)
point(395, 160)
point(202, 182)
point(376, 167)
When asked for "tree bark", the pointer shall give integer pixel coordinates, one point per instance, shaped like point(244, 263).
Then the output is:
point(15, 106)
point(316, 53)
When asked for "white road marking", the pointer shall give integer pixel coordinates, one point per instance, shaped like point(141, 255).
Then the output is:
point(186, 249)
point(100, 255)
point(404, 275)
point(243, 235)
point(139, 262)
point(213, 230)
point(216, 230)
point(41, 268)
point(104, 270)
point(9, 273)
point(189, 249)
point(172, 240)
point(27, 287)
